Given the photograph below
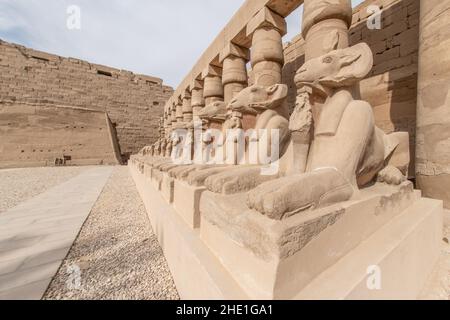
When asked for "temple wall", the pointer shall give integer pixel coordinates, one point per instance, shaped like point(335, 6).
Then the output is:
point(37, 135)
point(47, 82)
point(391, 87)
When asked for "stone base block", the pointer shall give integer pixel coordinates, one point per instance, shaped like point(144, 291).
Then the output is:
point(167, 186)
point(324, 254)
point(187, 202)
point(196, 272)
point(277, 259)
point(402, 254)
point(157, 177)
point(147, 171)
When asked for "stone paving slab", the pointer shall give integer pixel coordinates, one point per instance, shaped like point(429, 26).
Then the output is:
point(36, 235)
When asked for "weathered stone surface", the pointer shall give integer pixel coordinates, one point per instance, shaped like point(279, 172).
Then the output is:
point(53, 135)
point(342, 187)
point(43, 81)
point(433, 112)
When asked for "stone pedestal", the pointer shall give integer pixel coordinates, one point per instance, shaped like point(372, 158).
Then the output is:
point(167, 185)
point(197, 274)
point(323, 254)
point(187, 202)
point(148, 171)
point(157, 178)
point(308, 243)
point(404, 251)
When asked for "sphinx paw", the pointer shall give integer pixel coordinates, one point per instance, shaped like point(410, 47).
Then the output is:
point(236, 180)
point(270, 198)
point(391, 175)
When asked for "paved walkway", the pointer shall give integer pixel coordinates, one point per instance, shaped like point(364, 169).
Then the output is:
point(36, 235)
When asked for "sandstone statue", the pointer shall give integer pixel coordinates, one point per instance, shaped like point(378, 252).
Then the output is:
point(347, 150)
point(268, 104)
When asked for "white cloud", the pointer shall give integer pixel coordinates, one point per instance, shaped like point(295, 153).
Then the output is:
point(154, 37)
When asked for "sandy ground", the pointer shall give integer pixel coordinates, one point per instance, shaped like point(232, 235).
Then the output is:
point(116, 251)
point(18, 185)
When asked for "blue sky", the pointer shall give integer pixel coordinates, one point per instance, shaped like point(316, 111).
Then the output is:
point(162, 38)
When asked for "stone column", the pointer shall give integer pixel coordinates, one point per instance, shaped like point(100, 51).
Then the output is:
point(212, 84)
point(234, 77)
point(266, 30)
point(179, 110)
point(433, 108)
point(187, 107)
point(197, 100)
point(166, 122)
point(161, 127)
point(173, 113)
point(322, 20)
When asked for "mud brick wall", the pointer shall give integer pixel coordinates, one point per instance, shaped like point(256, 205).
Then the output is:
point(132, 102)
point(391, 87)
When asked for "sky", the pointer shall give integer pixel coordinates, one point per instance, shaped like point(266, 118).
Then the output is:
point(161, 38)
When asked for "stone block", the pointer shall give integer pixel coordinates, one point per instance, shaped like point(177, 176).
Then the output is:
point(323, 254)
point(404, 252)
point(187, 202)
point(167, 186)
point(266, 18)
point(197, 274)
point(309, 243)
point(157, 177)
point(234, 50)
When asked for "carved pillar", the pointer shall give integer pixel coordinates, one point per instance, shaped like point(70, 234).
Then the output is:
point(321, 20)
point(234, 76)
point(179, 110)
point(159, 128)
point(433, 108)
point(212, 84)
point(266, 30)
point(197, 100)
point(166, 122)
point(187, 107)
point(173, 113)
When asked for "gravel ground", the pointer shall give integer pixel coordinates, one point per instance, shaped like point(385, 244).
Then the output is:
point(18, 185)
point(116, 251)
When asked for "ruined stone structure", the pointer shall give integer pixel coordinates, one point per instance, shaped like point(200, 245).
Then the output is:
point(55, 109)
point(339, 200)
